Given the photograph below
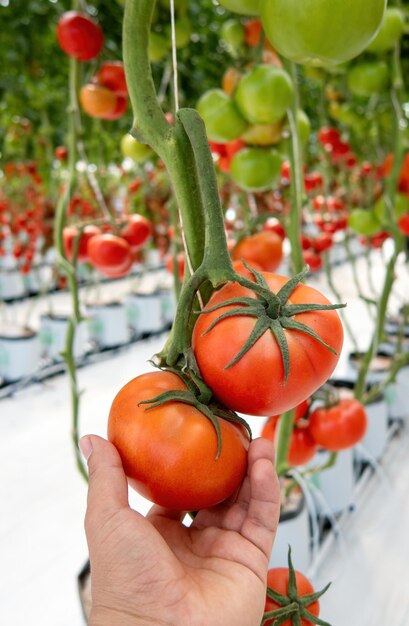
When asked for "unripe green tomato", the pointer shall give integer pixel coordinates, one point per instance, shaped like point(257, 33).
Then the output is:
point(400, 207)
point(368, 79)
point(243, 7)
point(132, 149)
point(263, 134)
point(364, 222)
point(321, 32)
point(264, 94)
point(233, 33)
point(390, 33)
point(158, 47)
point(256, 169)
point(221, 116)
point(183, 31)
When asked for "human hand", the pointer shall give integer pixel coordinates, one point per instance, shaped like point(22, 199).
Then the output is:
point(155, 570)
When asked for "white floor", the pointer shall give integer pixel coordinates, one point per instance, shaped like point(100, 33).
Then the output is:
point(42, 501)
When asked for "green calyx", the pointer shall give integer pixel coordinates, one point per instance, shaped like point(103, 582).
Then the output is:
point(293, 606)
point(201, 398)
point(273, 312)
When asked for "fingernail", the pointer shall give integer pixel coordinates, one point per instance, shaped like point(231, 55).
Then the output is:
point(85, 445)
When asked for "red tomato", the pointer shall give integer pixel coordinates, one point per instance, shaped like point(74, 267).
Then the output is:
point(302, 445)
point(70, 233)
point(180, 262)
point(136, 231)
point(277, 580)
point(329, 137)
point(110, 254)
point(79, 36)
point(313, 181)
point(252, 32)
point(275, 226)
point(265, 249)
point(403, 224)
point(112, 75)
point(256, 384)
point(61, 153)
point(313, 260)
point(120, 108)
point(339, 427)
point(169, 453)
point(323, 242)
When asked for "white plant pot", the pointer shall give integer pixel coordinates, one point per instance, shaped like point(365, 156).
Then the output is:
point(375, 441)
point(293, 530)
point(19, 353)
point(53, 329)
point(144, 313)
point(335, 485)
point(108, 324)
point(168, 304)
point(11, 284)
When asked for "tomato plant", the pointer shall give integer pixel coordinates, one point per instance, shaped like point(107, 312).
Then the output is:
point(169, 452)
point(256, 383)
point(264, 94)
point(79, 36)
point(318, 32)
point(339, 427)
point(265, 249)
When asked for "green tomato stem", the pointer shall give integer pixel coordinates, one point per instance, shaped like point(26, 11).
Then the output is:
point(285, 430)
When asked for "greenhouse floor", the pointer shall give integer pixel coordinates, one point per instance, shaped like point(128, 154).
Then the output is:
point(43, 546)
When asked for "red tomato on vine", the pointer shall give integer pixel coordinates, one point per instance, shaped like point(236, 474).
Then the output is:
point(265, 249)
point(79, 36)
point(339, 427)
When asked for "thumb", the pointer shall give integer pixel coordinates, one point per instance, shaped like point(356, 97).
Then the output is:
point(107, 487)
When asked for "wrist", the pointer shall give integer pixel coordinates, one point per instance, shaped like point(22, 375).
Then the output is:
point(109, 617)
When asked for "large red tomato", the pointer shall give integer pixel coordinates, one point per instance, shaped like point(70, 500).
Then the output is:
point(256, 384)
point(341, 426)
point(169, 452)
point(277, 580)
point(70, 233)
point(110, 254)
point(265, 249)
point(79, 36)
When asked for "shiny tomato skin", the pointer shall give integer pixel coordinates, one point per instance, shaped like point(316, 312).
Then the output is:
point(79, 36)
point(339, 427)
point(222, 118)
point(169, 452)
point(403, 224)
point(110, 254)
point(255, 384)
point(277, 579)
point(111, 75)
point(318, 32)
point(121, 105)
point(136, 231)
point(265, 249)
point(256, 169)
point(70, 233)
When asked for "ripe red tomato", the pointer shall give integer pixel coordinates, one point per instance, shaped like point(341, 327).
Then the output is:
point(265, 249)
point(403, 224)
point(302, 445)
point(136, 231)
point(277, 580)
point(119, 110)
point(110, 254)
point(169, 453)
point(70, 233)
point(61, 153)
point(79, 36)
point(339, 427)
point(112, 76)
point(273, 225)
point(180, 263)
point(313, 260)
point(256, 385)
point(98, 101)
point(323, 242)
